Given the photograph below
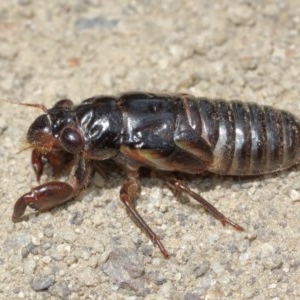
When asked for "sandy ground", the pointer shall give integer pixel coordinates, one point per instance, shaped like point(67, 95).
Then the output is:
point(89, 248)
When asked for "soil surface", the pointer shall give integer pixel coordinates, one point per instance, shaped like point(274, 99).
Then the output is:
point(89, 248)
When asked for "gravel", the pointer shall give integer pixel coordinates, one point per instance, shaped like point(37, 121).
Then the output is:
point(125, 269)
point(89, 248)
point(42, 283)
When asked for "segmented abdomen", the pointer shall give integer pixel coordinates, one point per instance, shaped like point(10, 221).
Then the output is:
point(248, 139)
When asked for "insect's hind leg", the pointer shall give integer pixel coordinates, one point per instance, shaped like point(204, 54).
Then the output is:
point(128, 193)
point(179, 186)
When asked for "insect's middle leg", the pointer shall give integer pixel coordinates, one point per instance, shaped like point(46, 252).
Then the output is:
point(128, 193)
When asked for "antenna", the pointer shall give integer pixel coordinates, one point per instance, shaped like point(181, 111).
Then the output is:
point(41, 106)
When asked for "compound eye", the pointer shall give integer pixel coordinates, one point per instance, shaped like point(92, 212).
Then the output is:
point(71, 139)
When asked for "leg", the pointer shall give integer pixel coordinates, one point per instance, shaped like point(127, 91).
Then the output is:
point(43, 198)
point(178, 186)
point(57, 160)
point(129, 192)
point(51, 194)
point(106, 167)
point(37, 163)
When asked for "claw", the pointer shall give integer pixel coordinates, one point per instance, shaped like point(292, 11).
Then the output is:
point(43, 198)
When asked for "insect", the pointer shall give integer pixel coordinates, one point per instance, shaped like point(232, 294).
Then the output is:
point(162, 132)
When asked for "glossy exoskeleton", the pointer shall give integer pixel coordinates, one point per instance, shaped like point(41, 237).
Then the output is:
point(159, 131)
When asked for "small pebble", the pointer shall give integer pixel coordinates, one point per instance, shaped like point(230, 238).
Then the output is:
point(48, 230)
point(87, 276)
point(98, 22)
point(217, 267)
point(68, 235)
point(17, 241)
point(271, 10)
point(241, 15)
point(244, 256)
point(294, 195)
point(202, 269)
point(156, 195)
point(42, 283)
point(29, 266)
point(77, 218)
point(191, 296)
point(61, 290)
point(125, 268)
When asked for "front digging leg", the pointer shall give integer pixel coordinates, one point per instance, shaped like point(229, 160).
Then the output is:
point(43, 198)
point(51, 194)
